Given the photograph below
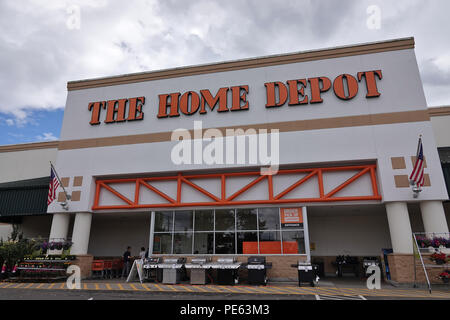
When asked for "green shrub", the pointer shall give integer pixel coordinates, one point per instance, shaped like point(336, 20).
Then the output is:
point(15, 248)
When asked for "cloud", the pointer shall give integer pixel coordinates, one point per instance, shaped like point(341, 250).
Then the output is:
point(39, 52)
point(46, 136)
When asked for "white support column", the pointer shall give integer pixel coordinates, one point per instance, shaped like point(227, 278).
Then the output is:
point(81, 233)
point(399, 227)
point(152, 229)
point(433, 216)
point(60, 226)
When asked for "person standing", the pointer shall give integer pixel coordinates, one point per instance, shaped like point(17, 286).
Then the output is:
point(143, 253)
point(126, 262)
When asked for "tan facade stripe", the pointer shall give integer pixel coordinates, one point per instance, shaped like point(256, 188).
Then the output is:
point(289, 126)
point(400, 44)
point(78, 181)
point(398, 163)
point(65, 182)
point(76, 196)
point(413, 161)
point(426, 180)
point(29, 146)
point(61, 197)
point(437, 112)
point(401, 181)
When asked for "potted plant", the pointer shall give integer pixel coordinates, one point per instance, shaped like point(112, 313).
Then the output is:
point(58, 245)
point(67, 245)
point(438, 257)
point(44, 246)
point(423, 242)
point(445, 276)
point(442, 244)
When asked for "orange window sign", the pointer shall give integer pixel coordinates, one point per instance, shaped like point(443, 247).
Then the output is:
point(291, 217)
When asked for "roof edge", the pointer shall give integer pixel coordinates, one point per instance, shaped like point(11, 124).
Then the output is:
point(29, 146)
point(439, 111)
point(256, 62)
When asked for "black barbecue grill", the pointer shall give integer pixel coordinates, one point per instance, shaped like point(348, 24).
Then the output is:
point(199, 269)
point(227, 270)
point(151, 270)
point(257, 270)
point(370, 261)
point(307, 272)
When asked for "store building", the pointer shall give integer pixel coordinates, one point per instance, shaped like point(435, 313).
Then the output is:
point(343, 126)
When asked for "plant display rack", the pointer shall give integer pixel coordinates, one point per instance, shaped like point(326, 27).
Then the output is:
point(48, 268)
point(425, 243)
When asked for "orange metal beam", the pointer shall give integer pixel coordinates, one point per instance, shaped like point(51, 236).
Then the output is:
point(179, 188)
point(162, 194)
point(228, 203)
point(270, 186)
point(320, 181)
point(136, 191)
point(116, 193)
point(223, 201)
point(200, 189)
point(223, 187)
point(374, 181)
point(346, 183)
point(295, 185)
point(248, 186)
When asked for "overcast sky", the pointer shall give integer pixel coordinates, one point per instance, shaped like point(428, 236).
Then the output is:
point(44, 44)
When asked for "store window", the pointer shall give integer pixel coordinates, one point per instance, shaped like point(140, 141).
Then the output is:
point(247, 242)
point(225, 243)
point(162, 243)
point(269, 242)
point(225, 220)
point(246, 219)
point(293, 242)
point(182, 243)
point(203, 242)
point(229, 231)
point(444, 155)
point(183, 220)
point(204, 220)
point(163, 221)
point(269, 219)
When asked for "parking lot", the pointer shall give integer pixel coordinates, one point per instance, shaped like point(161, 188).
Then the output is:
point(279, 291)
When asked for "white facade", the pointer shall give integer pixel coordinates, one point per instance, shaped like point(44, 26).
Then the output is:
point(401, 91)
point(26, 161)
point(333, 133)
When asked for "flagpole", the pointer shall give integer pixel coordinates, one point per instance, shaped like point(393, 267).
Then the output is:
point(415, 187)
point(60, 183)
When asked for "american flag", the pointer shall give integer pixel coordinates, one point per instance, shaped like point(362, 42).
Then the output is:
point(54, 184)
point(417, 173)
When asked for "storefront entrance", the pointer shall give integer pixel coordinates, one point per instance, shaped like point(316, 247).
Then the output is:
point(229, 232)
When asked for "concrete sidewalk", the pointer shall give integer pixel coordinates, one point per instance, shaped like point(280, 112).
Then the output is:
point(327, 287)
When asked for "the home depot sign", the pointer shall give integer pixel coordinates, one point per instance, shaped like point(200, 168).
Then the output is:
point(294, 92)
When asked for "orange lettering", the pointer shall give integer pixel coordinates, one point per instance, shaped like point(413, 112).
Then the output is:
point(352, 87)
point(317, 89)
point(96, 107)
point(371, 82)
point(295, 91)
point(271, 94)
point(135, 112)
point(173, 104)
point(184, 103)
point(112, 111)
point(238, 98)
point(220, 97)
